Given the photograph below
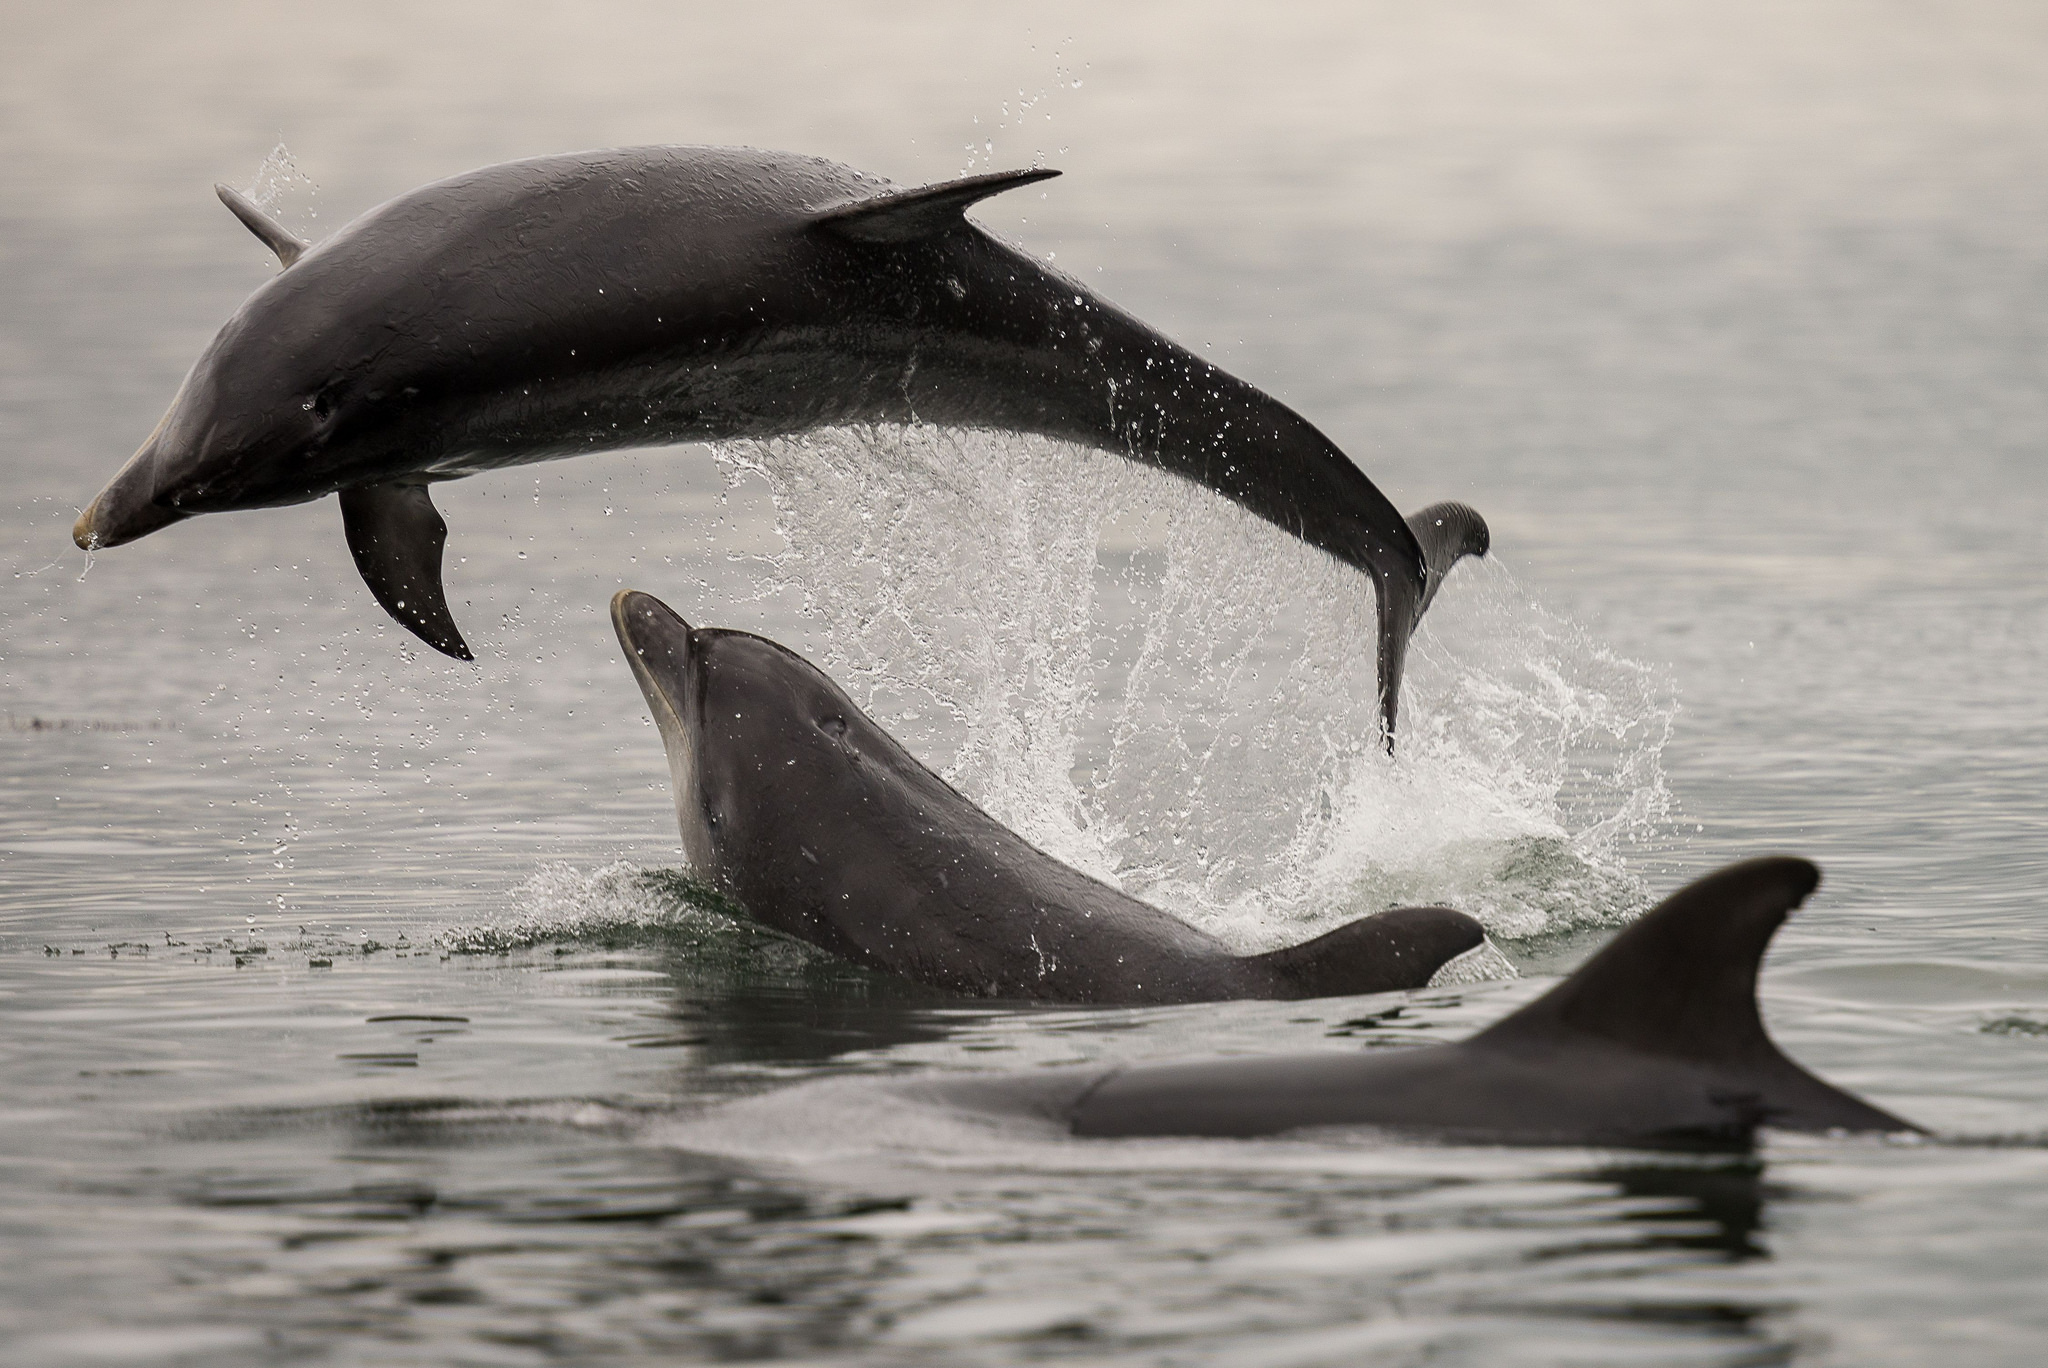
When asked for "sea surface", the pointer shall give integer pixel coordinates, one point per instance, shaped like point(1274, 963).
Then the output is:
point(356, 1005)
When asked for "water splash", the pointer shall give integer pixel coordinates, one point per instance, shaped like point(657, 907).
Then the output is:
point(958, 604)
point(1166, 692)
point(559, 902)
point(1023, 115)
point(282, 188)
point(1483, 963)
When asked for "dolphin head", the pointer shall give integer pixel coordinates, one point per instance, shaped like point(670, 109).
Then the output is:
point(309, 387)
point(760, 742)
point(260, 421)
point(668, 663)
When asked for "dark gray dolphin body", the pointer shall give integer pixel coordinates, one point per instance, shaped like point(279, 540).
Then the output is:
point(638, 296)
point(820, 825)
point(1656, 1041)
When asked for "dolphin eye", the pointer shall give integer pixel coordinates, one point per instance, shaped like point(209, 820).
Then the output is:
point(321, 405)
point(833, 725)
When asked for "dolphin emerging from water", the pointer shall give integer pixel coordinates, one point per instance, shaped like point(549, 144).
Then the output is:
point(649, 295)
point(811, 817)
point(1654, 1042)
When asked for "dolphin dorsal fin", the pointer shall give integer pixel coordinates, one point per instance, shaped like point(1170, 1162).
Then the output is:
point(269, 231)
point(1448, 532)
point(396, 535)
point(907, 215)
point(1680, 984)
point(1680, 981)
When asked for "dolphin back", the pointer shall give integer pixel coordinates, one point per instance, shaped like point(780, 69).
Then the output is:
point(1655, 1042)
point(1680, 985)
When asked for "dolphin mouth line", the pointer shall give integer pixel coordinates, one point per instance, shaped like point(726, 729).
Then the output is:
point(137, 516)
point(650, 686)
point(91, 532)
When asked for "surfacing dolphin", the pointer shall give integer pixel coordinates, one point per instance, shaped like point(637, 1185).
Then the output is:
point(820, 825)
point(1654, 1042)
point(648, 295)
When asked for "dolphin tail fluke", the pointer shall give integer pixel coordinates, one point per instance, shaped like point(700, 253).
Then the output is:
point(396, 535)
point(1399, 948)
point(1448, 532)
point(274, 235)
point(907, 215)
point(1681, 984)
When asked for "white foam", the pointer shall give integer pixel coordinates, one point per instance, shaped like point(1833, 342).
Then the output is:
point(559, 902)
point(1196, 722)
point(1483, 963)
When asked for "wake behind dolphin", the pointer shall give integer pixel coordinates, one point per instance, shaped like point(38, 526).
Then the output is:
point(641, 296)
point(797, 805)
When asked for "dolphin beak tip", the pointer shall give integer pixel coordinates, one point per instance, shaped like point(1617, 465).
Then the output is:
point(116, 520)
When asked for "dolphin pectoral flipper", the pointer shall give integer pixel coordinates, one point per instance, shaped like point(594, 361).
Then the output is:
point(1680, 985)
point(274, 235)
point(396, 535)
point(907, 215)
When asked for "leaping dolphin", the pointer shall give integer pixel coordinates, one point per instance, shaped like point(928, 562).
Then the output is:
point(1654, 1042)
point(820, 825)
point(648, 295)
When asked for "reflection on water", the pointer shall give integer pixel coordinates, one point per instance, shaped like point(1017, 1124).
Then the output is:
point(754, 1021)
point(439, 1227)
point(665, 1142)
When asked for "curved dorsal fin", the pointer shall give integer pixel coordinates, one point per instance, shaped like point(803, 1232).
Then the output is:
point(269, 231)
point(1681, 980)
point(1680, 984)
point(907, 215)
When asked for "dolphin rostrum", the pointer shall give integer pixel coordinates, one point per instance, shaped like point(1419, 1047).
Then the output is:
point(648, 295)
point(812, 818)
point(1654, 1042)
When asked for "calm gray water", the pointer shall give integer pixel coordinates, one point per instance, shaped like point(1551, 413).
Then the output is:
point(351, 1010)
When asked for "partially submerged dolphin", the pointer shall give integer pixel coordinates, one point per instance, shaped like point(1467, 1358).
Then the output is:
point(1656, 1041)
point(645, 295)
point(820, 825)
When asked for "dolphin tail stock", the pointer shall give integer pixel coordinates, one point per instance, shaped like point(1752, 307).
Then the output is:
point(907, 215)
point(1680, 983)
point(274, 235)
point(1399, 948)
point(1397, 623)
point(1445, 533)
point(396, 535)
